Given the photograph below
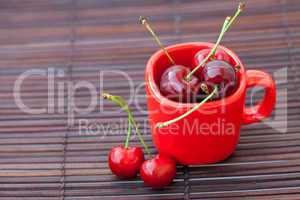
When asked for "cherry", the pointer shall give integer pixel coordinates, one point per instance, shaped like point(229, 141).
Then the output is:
point(125, 162)
point(200, 59)
point(220, 74)
point(159, 171)
point(218, 55)
point(175, 87)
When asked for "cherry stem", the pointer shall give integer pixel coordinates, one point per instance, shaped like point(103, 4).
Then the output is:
point(163, 124)
point(138, 131)
point(226, 25)
point(144, 21)
point(128, 135)
point(131, 121)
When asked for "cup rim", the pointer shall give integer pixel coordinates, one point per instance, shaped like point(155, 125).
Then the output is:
point(154, 89)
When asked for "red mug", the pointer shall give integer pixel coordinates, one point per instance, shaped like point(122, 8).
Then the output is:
point(211, 133)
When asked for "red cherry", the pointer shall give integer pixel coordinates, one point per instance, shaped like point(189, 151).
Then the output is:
point(174, 86)
point(125, 162)
point(219, 55)
point(159, 171)
point(221, 74)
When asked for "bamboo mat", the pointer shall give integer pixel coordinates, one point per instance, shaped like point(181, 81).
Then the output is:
point(43, 156)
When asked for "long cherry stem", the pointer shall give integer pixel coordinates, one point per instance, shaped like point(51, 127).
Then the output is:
point(163, 124)
point(144, 21)
point(138, 131)
point(131, 121)
point(226, 25)
point(128, 135)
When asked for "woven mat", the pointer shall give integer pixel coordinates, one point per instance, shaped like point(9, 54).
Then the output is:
point(43, 156)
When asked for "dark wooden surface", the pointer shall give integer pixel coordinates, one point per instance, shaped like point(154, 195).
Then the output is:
point(82, 38)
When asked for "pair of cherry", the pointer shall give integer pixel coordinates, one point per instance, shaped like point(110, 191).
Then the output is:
point(216, 72)
point(126, 162)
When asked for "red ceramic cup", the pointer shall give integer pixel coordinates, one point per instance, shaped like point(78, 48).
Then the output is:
point(211, 133)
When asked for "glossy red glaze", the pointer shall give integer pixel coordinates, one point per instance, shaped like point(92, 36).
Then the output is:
point(159, 171)
point(211, 133)
point(219, 55)
point(174, 86)
point(125, 163)
point(220, 74)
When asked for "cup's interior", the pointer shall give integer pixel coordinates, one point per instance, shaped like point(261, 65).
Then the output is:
point(183, 54)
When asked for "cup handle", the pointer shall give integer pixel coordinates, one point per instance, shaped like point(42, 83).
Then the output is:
point(264, 108)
